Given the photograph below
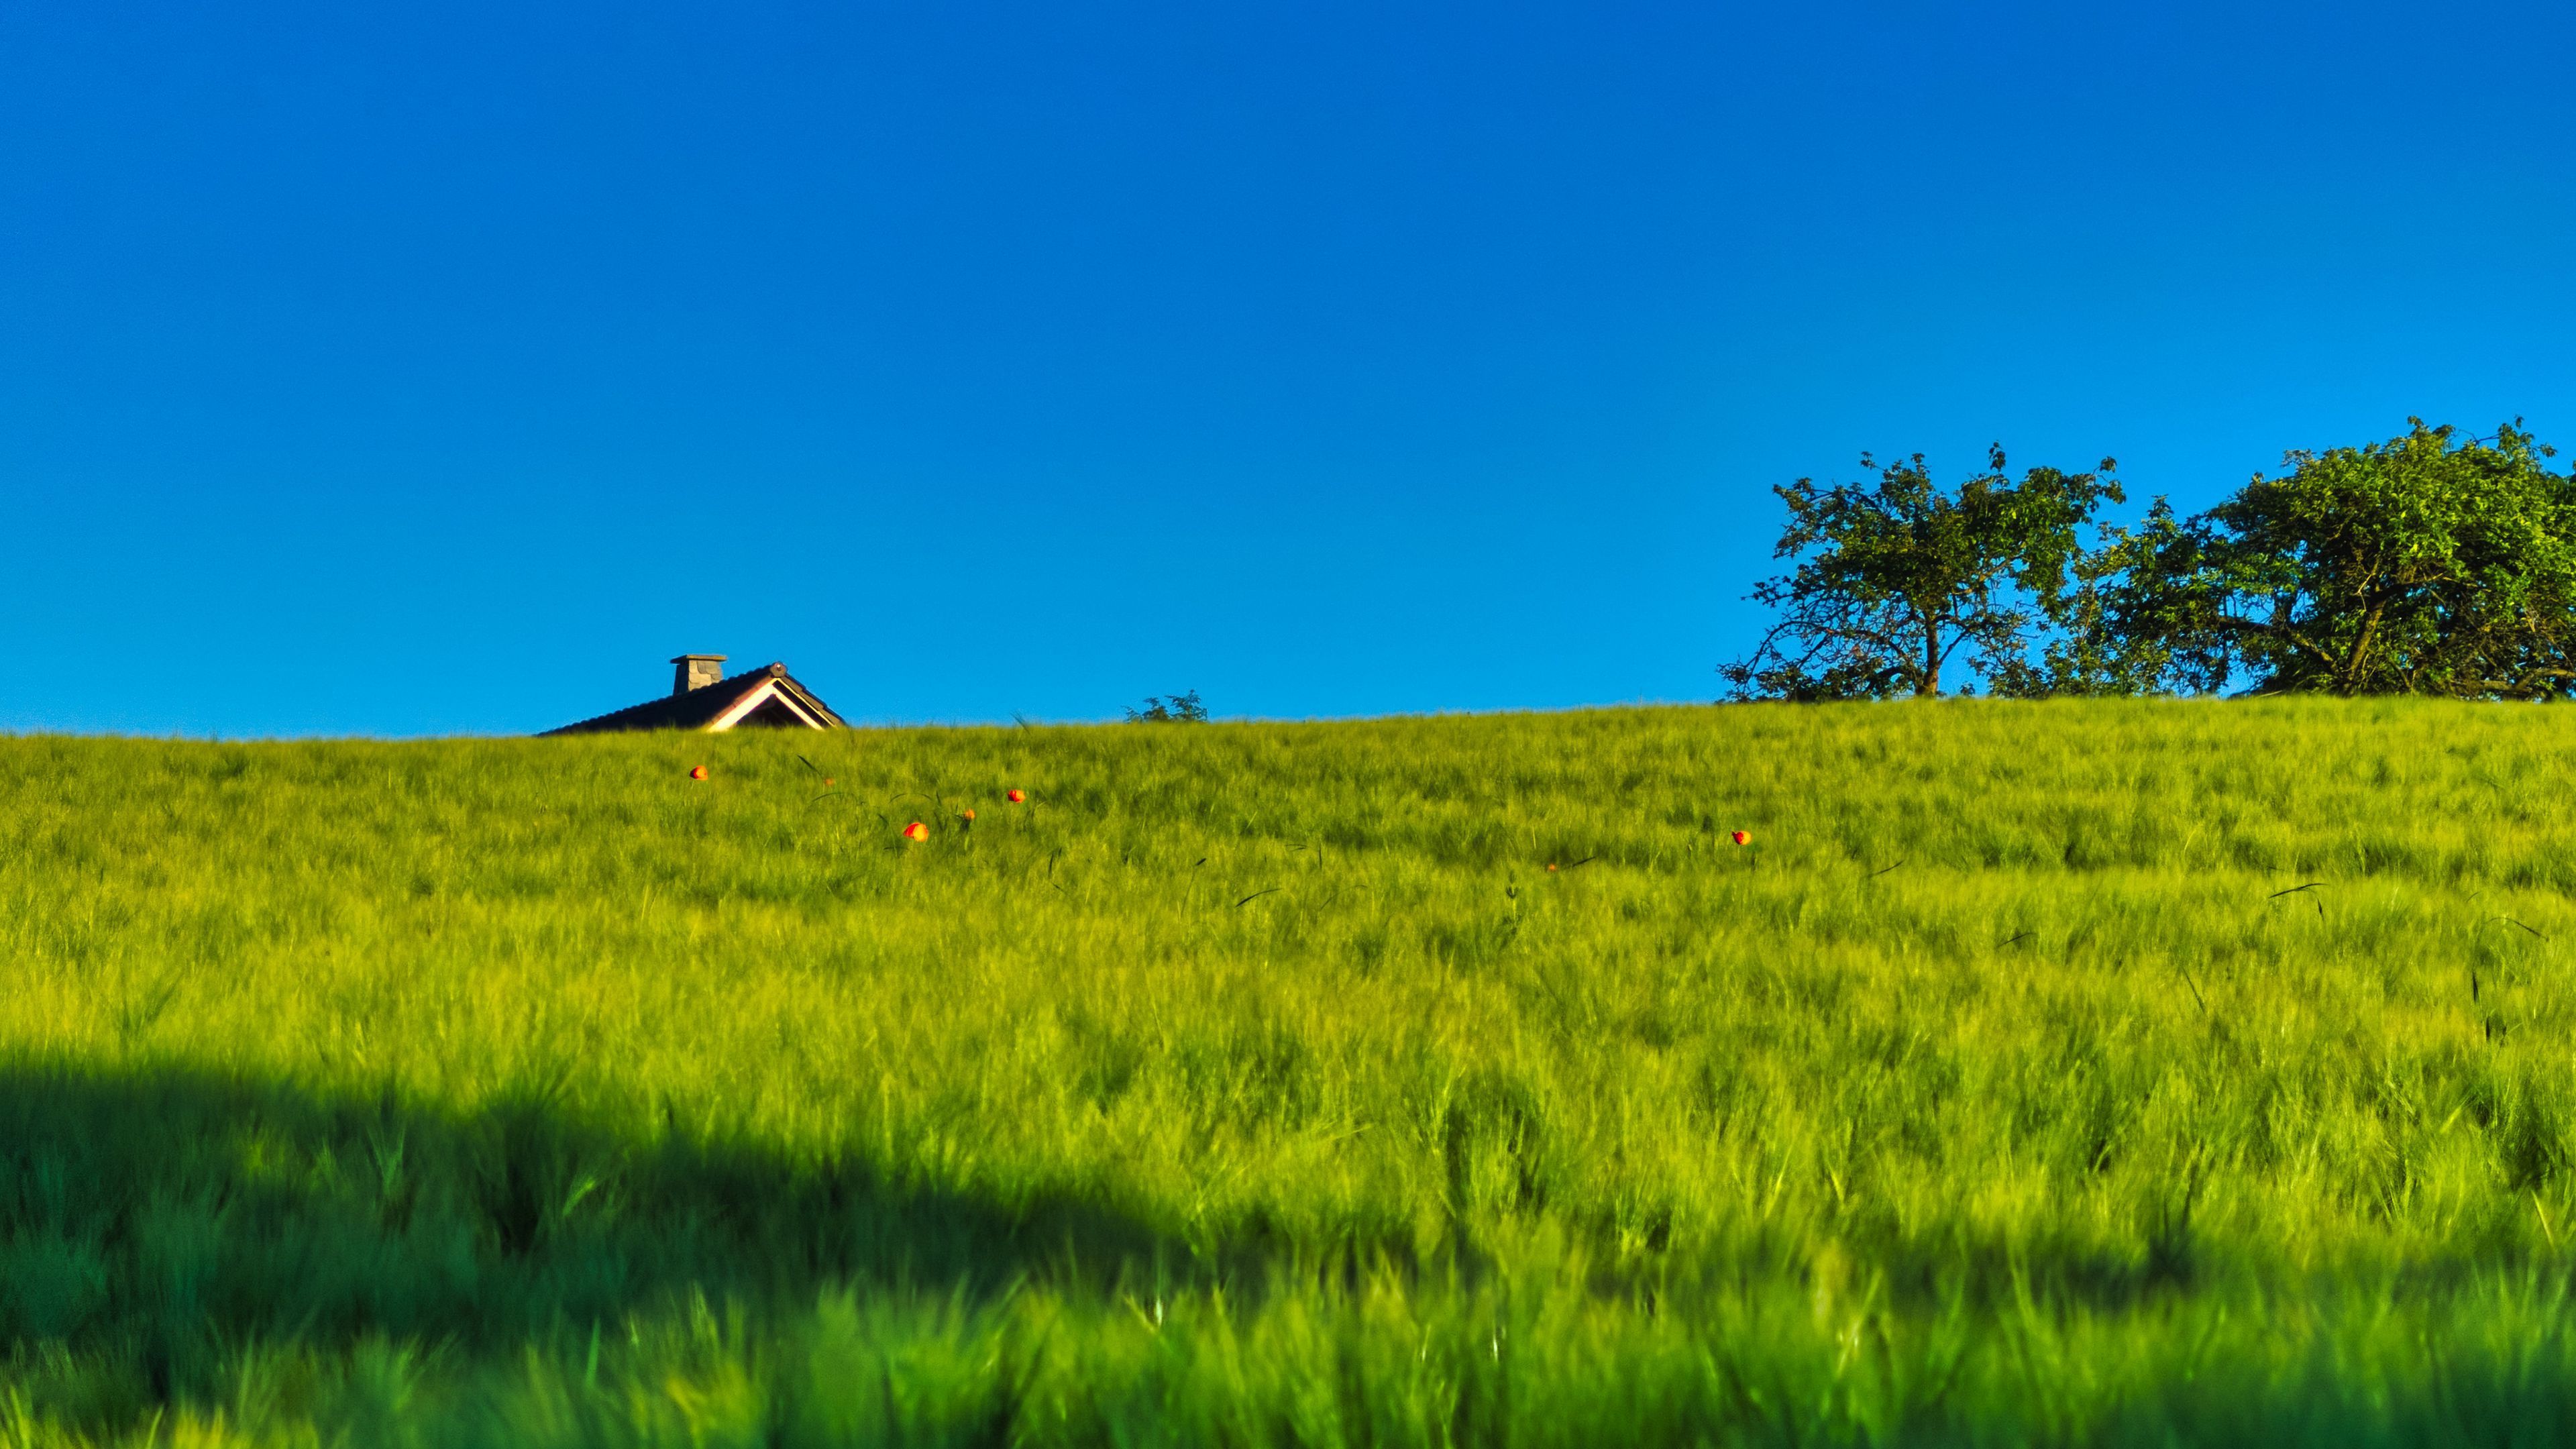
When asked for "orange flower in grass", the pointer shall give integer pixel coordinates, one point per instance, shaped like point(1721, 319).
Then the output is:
point(697, 772)
point(916, 832)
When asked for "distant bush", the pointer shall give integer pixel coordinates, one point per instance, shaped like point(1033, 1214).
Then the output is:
point(1170, 709)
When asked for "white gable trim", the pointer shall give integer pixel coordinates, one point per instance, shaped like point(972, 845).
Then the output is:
point(767, 691)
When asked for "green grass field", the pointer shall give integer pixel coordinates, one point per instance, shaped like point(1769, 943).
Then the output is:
point(1260, 1084)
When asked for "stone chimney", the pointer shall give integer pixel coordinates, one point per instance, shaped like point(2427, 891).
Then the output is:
point(695, 671)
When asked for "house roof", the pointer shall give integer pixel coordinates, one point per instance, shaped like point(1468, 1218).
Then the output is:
point(769, 691)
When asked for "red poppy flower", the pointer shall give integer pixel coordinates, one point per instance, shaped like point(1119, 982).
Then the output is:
point(916, 832)
point(697, 772)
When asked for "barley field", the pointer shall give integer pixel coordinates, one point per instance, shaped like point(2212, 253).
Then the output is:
point(2068, 1073)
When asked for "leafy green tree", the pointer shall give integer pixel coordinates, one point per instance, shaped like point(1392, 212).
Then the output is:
point(2426, 564)
point(2135, 617)
point(1897, 575)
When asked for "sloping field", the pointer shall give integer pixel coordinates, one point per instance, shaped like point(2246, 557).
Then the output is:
point(2069, 1073)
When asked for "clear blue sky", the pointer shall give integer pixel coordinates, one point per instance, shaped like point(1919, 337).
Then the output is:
point(398, 370)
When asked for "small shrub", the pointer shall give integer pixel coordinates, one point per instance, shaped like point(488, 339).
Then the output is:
point(1171, 709)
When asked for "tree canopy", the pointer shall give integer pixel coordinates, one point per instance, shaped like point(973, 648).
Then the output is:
point(2430, 563)
point(1896, 575)
point(2427, 564)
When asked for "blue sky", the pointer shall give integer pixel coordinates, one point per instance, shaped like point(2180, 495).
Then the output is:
point(403, 370)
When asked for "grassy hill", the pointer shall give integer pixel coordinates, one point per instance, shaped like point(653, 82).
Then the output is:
point(2079, 1073)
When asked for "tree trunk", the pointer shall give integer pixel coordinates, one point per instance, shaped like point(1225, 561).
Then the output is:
point(2359, 658)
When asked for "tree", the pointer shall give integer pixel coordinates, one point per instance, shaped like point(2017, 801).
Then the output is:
point(1896, 575)
point(2427, 564)
point(2135, 618)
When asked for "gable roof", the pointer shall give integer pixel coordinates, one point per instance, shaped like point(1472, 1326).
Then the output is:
point(769, 692)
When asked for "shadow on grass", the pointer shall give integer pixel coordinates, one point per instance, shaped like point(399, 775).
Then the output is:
point(157, 1216)
point(159, 1227)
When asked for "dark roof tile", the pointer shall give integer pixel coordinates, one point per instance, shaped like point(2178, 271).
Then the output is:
point(701, 707)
